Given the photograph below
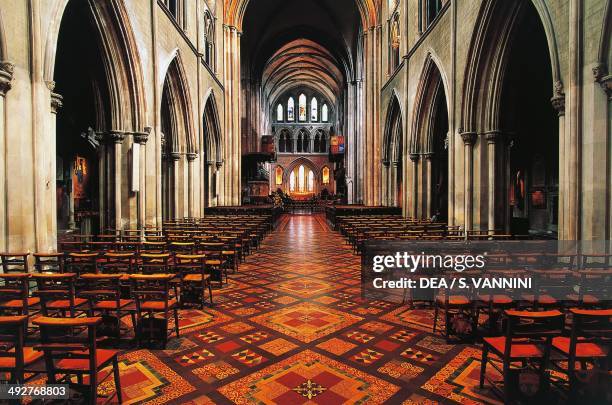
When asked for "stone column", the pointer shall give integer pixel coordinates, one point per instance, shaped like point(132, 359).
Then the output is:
point(217, 180)
point(493, 139)
point(469, 138)
point(117, 138)
point(414, 158)
point(394, 168)
point(6, 76)
point(56, 104)
point(176, 157)
point(558, 103)
point(191, 157)
point(386, 186)
point(102, 182)
point(428, 185)
point(141, 139)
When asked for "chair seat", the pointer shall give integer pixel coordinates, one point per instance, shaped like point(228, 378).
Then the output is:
point(496, 299)
point(103, 357)
point(65, 304)
point(542, 299)
point(586, 298)
point(19, 303)
point(583, 350)
point(195, 277)
point(517, 350)
point(29, 356)
point(157, 305)
point(454, 300)
point(111, 304)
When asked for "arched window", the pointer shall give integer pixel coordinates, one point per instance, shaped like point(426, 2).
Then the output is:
point(302, 107)
point(324, 113)
point(209, 39)
point(281, 142)
point(323, 146)
point(279, 113)
point(317, 143)
point(310, 181)
point(314, 110)
point(301, 179)
point(394, 43)
point(291, 109)
point(292, 181)
point(299, 143)
point(306, 142)
point(325, 175)
point(279, 175)
point(288, 143)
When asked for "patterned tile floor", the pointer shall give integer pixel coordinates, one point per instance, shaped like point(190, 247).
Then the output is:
point(291, 328)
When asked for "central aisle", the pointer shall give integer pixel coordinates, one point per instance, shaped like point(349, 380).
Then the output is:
point(292, 326)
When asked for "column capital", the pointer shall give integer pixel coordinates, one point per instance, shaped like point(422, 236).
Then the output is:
point(558, 98)
point(469, 138)
point(116, 137)
point(428, 155)
point(6, 76)
point(219, 164)
point(176, 156)
point(56, 102)
point(395, 163)
point(141, 137)
point(386, 163)
point(191, 156)
point(493, 137)
point(603, 77)
point(414, 157)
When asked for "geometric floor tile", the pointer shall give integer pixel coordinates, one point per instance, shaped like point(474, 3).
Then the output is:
point(417, 355)
point(336, 346)
point(248, 357)
point(401, 370)
point(215, 371)
point(304, 287)
point(306, 321)
point(386, 345)
point(254, 337)
point(403, 335)
point(367, 356)
point(309, 377)
point(198, 356)
point(278, 347)
point(376, 327)
point(359, 336)
point(237, 327)
point(434, 343)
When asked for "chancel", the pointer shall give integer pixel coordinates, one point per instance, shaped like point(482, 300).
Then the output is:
point(199, 198)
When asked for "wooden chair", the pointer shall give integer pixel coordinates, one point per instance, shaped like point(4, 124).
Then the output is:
point(49, 262)
point(80, 263)
point(57, 294)
point(103, 292)
point(193, 275)
point(152, 295)
point(528, 339)
point(69, 354)
point(550, 286)
point(15, 293)
point(117, 263)
point(590, 340)
point(15, 357)
point(593, 289)
point(453, 301)
point(14, 262)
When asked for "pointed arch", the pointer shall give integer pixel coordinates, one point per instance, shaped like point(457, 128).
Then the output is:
point(393, 128)
point(212, 130)
point(120, 57)
point(176, 94)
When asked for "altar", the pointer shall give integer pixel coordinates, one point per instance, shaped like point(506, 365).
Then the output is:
point(302, 196)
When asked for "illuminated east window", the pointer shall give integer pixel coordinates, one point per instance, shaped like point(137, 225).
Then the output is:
point(292, 182)
point(325, 175)
point(314, 110)
point(310, 181)
point(279, 112)
point(324, 113)
point(301, 179)
point(291, 109)
point(302, 107)
point(279, 175)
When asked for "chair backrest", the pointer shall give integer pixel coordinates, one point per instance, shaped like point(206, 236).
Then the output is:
point(49, 262)
point(117, 262)
point(543, 325)
point(14, 262)
point(591, 325)
point(15, 286)
point(151, 287)
point(101, 287)
point(52, 287)
point(152, 263)
point(11, 343)
point(190, 263)
point(79, 263)
point(61, 340)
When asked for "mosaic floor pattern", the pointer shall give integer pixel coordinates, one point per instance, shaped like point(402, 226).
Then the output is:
point(292, 329)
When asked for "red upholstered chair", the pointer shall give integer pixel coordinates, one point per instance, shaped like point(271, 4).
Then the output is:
point(57, 294)
point(589, 341)
point(14, 356)
point(152, 295)
point(68, 354)
point(528, 340)
point(14, 262)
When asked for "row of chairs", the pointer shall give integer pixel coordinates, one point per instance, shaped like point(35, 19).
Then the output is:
point(542, 341)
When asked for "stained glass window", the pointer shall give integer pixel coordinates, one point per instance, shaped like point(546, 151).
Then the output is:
point(301, 178)
point(292, 181)
point(279, 175)
point(279, 112)
point(314, 110)
point(291, 109)
point(324, 113)
point(310, 181)
point(326, 175)
point(302, 107)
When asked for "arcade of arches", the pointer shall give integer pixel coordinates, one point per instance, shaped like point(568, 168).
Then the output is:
point(489, 115)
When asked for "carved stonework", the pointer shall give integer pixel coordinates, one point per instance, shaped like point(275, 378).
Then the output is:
point(116, 137)
point(191, 156)
point(141, 137)
point(469, 138)
point(6, 76)
point(176, 156)
point(56, 102)
point(493, 136)
point(219, 164)
point(428, 156)
point(558, 98)
point(414, 157)
point(385, 163)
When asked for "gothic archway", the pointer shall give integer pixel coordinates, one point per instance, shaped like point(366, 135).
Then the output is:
point(212, 153)
point(392, 154)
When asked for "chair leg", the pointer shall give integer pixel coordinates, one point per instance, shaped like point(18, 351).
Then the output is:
point(176, 322)
point(117, 380)
point(435, 318)
point(483, 365)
